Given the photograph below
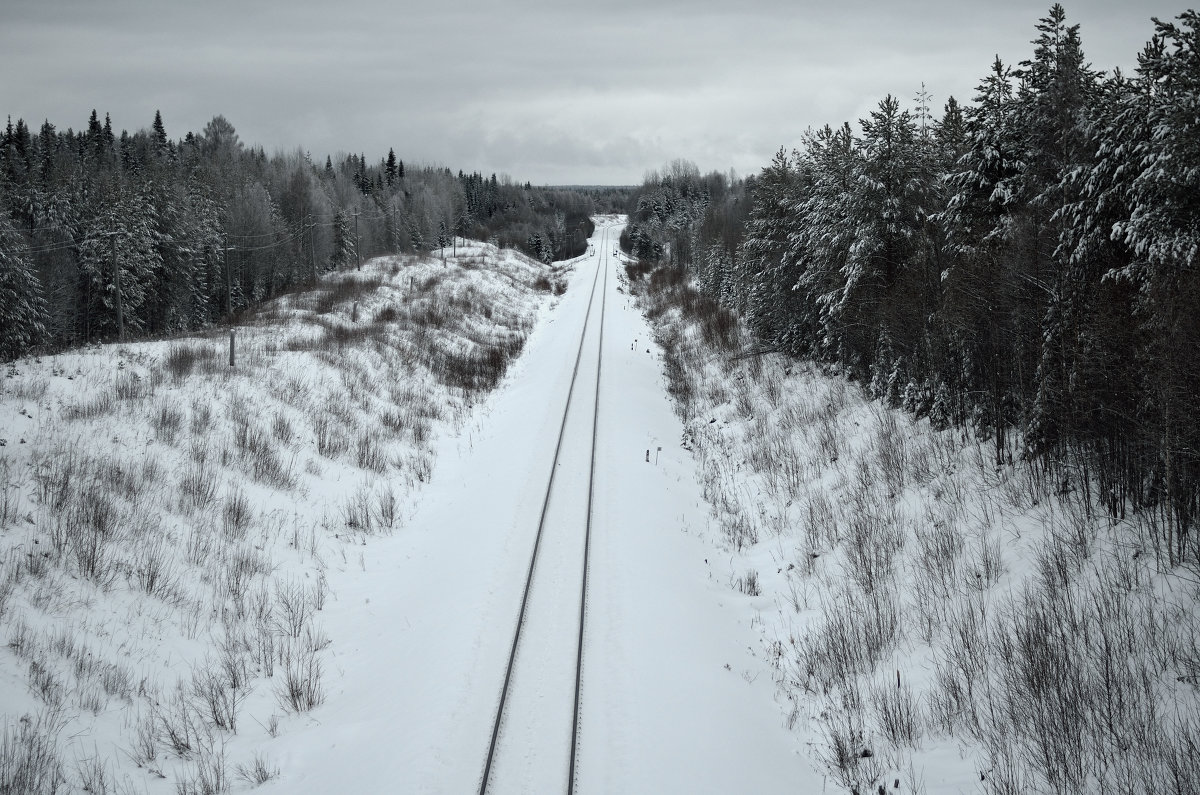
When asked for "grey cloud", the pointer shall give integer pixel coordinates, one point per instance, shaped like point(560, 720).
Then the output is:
point(541, 89)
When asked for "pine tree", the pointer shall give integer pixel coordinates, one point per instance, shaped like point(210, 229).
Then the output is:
point(1164, 224)
point(820, 244)
point(949, 134)
point(979, 291)
point(1057, 92)
point(882, 273)
point(983, 182)
point(1150, 167)
point(23, 309)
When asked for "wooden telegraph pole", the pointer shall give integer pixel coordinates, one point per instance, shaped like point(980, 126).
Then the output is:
point(357, 252)
point(228, 281)
point(312, 249)
point(229, 299)
point(112, 247)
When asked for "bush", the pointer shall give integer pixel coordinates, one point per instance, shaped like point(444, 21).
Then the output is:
point(182, 359)
point(29, 761)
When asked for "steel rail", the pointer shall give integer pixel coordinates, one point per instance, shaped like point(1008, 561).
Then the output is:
point(512, 655)
point(587, 542)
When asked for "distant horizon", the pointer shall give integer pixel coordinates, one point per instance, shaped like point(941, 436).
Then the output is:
point(335, 156)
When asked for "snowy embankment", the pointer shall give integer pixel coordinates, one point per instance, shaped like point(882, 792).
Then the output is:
point(172, 527)
point(943, 620)
point(673, 696)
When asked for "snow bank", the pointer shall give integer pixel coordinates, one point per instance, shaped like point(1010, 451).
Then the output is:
point(943, 617)
point(173, 527)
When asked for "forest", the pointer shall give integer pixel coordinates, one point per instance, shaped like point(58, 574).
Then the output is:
point(1024, 265)
point(107, 236)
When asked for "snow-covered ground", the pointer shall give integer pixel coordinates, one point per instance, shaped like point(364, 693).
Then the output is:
point(304, 572)
point(943, 619)
point(674, 697)
point(175, 528)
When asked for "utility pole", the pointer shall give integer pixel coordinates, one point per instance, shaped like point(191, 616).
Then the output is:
point(112, 246)
point(228, 281)
point(357, 252)
point(312, 249)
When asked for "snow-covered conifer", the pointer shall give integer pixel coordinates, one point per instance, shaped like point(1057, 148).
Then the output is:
point(23, 309)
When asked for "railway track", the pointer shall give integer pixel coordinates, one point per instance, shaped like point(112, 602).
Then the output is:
point(535, 732)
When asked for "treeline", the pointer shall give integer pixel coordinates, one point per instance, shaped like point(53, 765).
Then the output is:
point(1027, 261)
point(106, 235)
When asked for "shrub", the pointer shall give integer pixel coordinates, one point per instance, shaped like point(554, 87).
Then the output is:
point(301, 689)
point(344, 290)
point(182, 359)
point(636, 271)
point(29, 760)
point(260, 771)
point(166, 420)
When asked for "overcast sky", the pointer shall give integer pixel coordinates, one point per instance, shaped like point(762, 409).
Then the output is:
point(551, 91)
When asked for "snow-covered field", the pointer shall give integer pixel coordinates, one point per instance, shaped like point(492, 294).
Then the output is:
point(942, 622)
point(176, 532)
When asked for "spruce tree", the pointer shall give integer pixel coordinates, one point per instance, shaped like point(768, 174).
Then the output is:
point(343, 242)
point(415, 235)
point(23, 309)
point(97, 145)
point(159, 135)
